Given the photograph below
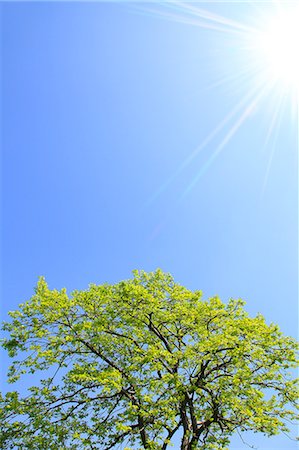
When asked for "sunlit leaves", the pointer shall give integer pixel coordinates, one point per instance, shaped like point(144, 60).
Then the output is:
point(134, 362)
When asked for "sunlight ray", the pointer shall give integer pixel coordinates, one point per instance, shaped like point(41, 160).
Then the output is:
point(253, 94)
point(205, 14)
point(255, 54)
point(274, 121)
point(274, 137)
point(235, 80)
point(190, 15)
point(229, 135)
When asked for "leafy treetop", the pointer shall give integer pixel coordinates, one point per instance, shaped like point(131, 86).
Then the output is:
point(134, 364)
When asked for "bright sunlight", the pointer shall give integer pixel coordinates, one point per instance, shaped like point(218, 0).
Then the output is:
point(278, 47)
point(258, 55)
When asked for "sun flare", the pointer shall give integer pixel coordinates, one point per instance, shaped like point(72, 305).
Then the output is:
point(278, 48)
point(256, 59)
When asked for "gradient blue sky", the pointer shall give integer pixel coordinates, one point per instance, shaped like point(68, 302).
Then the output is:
point(102, 105)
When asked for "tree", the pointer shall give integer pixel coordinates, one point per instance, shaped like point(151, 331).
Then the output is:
point(137, 362)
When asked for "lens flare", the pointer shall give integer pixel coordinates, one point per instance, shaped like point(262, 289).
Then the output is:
point(257, 56)
point(278, 48)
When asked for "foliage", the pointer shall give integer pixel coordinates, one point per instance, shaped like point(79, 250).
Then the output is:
point(136, 362)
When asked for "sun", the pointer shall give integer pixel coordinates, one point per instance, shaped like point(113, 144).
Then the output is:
point(257, 59)
point(277, 47)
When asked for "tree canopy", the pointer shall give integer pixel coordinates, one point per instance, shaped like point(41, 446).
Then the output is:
point(136, 363)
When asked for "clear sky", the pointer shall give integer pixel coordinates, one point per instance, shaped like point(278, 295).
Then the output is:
point(106, 108)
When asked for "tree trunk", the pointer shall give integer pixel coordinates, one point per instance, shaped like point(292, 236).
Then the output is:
point(185, 442)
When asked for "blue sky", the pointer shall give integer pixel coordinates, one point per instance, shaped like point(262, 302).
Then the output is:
point(102, 106)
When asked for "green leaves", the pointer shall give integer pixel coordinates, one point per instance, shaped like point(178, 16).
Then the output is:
point(135, 362)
